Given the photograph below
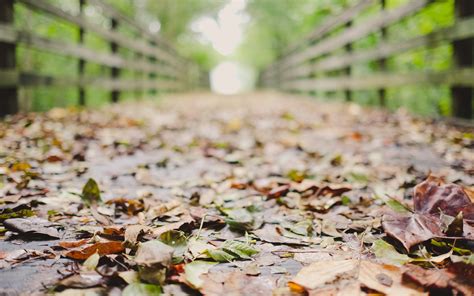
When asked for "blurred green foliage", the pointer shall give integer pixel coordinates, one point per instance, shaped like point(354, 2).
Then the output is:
point(272, 27)
point(277, 24)
point(172, 16)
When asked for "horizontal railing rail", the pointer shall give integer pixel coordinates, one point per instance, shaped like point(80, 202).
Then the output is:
point(318, 63)
point(156, 63)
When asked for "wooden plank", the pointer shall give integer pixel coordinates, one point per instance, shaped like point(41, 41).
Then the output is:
point(346, 16)
point(28, 79)
point(463, 54)
point(78, 51)
point(462, 29)
point(372, 25)
point(123, 41)
point(8, 95)
point(461, 77)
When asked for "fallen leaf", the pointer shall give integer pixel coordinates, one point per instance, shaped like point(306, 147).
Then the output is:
point(83, 280)
point(91, 193)
point(91, 262)
point(73, 244)
point(432, 199)
point(186, 220)
point(194, 270)
point(102, 248)
point(139, 289)
point(236, 283)
point(32, 228)
point(387, 253)
point(385, 279)
point(153, 252)
point(458, 276)
point(134, 232)
point(433, 195)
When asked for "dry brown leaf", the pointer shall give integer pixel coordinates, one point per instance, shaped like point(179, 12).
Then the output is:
point(431, 199)
point(133, 232)
point(458, 276)
point(103, 248)
point(73, 244)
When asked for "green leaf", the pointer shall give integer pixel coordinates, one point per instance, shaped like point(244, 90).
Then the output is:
point(138, 289)
point(9, 214)
point(178, 241)
point(239, 219)
point(242, 250)
point(396, 206)
point(388, 254)
point(193, 271)
point(91, 192)
point(345, 200)
point(296, 176)
point(304, 227)
point(220, 255)
point(449, 246)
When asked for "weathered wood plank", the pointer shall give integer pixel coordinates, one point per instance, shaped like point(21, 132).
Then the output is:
point(462, 29)
point(356, 32)
point(27, 79)
point(461, 77)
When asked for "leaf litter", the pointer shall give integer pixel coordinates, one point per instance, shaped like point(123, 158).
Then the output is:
point(275, 196)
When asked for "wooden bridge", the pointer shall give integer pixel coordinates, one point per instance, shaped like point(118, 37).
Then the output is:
point(320, 64)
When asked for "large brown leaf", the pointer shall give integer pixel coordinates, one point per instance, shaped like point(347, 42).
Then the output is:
point(433, 196)
point(432, 199)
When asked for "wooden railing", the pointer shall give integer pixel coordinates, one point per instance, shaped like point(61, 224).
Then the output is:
point(156, 62)
point(317, 63)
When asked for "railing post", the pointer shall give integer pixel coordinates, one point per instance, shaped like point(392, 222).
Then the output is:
point(348, 47)
point(382, 92)
point(8, 96)
point(139, 74)
point(463, 50)
point(82, 63)
point(115, 72)
point(152, 75)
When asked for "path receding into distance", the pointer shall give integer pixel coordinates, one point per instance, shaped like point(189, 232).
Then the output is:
point(268, 185)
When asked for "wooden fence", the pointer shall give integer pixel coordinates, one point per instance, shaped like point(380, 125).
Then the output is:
point(317, 63)
point(156, 62)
